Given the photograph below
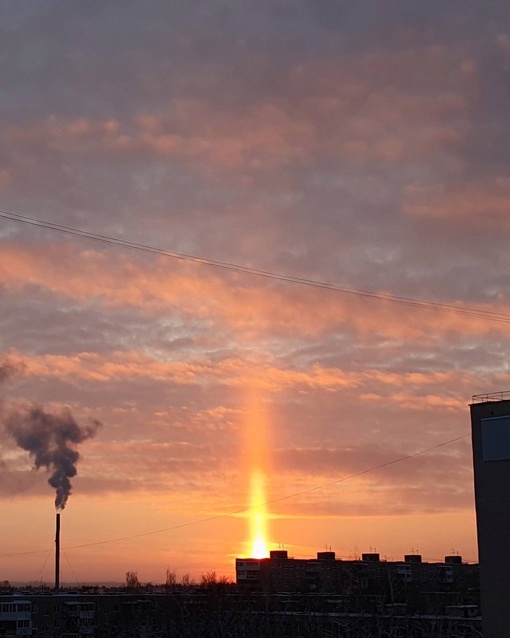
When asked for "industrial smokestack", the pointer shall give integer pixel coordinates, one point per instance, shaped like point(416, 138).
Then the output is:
point(57, 554)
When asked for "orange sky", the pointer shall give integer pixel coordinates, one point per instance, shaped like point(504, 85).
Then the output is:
point(353, 146)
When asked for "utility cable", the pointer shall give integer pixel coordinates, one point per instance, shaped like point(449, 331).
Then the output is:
point(71, 567)
point(254, 507)
point(117, 241)
point(44, 564)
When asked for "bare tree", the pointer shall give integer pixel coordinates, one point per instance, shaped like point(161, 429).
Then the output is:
point(171, 578)
point(187, 581)
point(208, 579)
point(132, 581)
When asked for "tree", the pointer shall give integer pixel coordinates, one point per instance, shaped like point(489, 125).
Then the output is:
point(171, 577)
point(132, 581)
point(187, 581)
point(208, 579)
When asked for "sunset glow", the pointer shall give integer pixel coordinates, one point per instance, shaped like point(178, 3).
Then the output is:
point(266, 249)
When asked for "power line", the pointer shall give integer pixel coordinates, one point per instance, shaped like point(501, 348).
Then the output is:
point(381, 296)
point(44, 565)
point(253, 507)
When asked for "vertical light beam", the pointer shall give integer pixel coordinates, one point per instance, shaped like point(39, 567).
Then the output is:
point(257, 466)
point(258, 515)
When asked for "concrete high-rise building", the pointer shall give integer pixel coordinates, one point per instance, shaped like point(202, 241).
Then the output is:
point(366, 576)
point(490, 427)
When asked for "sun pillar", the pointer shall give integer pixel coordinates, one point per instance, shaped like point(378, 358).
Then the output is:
point(258, 515)
point(257, 454)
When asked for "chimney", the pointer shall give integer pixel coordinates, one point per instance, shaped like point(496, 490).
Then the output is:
point(371, 557)
point(57, 554)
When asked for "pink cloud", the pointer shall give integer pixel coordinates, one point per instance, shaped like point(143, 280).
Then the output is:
point(266, 131)
point(389, 106)
point(435, 390)
point(479, 203)
point(250, 309)
point(194, 132)
point(363, 108)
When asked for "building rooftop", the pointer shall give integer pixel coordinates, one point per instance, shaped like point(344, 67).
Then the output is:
point(490, 397)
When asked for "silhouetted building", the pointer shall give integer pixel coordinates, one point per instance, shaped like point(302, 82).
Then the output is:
point(370, 575)
point(490, 426)
point(225, 611)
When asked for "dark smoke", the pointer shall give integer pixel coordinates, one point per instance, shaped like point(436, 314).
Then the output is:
point(49, 439)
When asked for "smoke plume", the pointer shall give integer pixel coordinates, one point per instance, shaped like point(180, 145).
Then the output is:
point(50, 440)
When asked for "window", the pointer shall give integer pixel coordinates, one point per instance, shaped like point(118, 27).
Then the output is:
point(8, 608)
point(86, 622)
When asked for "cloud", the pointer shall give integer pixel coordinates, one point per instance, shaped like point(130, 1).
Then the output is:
point(18, 483)
point(446, 464)
point(109, 467)
point(479, 203)
point(342, 480)
point(9, 369)
point(258, 372)
point(425, 483)
point(361, 108)
point(245, 304)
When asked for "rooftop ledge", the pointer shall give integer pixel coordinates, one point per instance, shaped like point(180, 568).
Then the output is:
point(491, 396)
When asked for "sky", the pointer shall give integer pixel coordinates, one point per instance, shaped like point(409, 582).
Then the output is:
point(364, 145)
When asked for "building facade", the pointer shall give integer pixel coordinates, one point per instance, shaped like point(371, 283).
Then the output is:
point(16, 617)
point(490, 427)
point(398, 581)
point(224, 610)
